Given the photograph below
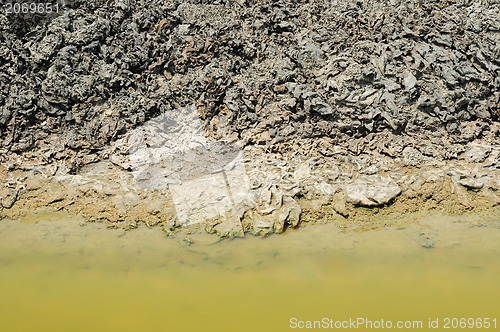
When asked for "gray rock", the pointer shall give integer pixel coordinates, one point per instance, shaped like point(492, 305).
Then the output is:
point(275, 212)
point(413, 157)
point(229, 225)
point(409, 81)
point(477, 153)
point(372, 191)
point(339, 204)
point(471, 184)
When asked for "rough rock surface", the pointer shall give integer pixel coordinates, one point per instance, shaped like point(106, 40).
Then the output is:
point(331, 105)
point(424, 73)
point(347, 190)
point(372, 191)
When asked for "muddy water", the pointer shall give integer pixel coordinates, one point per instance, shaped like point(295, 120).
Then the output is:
point(60, 274)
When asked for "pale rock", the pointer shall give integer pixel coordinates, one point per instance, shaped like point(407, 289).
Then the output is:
point(302, 172)
point(372, 191)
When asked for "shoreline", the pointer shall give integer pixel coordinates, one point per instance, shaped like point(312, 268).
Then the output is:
point(61, 263)
point(280, 192)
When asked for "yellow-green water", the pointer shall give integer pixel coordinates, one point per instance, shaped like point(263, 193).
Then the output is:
point(56, 275)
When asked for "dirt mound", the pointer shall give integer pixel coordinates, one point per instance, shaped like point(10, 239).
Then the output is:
point(367, 75)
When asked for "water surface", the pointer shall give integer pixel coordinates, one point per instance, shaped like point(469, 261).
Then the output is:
point(58, 273)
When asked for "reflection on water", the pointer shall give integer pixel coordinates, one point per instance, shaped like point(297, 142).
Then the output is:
point(60, 274)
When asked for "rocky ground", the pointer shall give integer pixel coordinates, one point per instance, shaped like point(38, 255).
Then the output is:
point(355, 192)
point(328, 109)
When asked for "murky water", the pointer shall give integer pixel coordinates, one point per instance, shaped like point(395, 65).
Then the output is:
point(60, 274)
